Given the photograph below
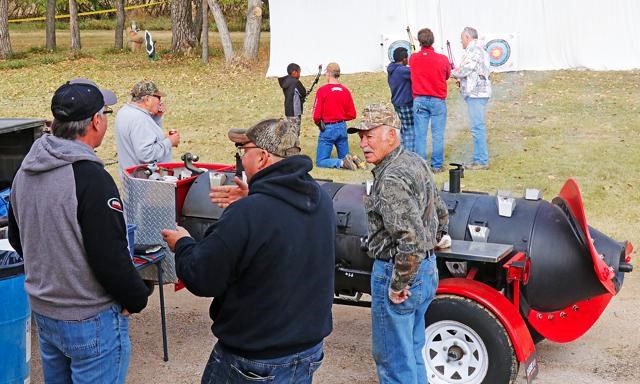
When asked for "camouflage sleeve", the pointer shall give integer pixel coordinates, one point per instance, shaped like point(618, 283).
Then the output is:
point(403, 221)
point(468, 64)
point(443, 216)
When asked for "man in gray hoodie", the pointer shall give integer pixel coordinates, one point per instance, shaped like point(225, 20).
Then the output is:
point(66, 220)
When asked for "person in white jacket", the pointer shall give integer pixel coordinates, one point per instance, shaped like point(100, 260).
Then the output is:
point(475, 86)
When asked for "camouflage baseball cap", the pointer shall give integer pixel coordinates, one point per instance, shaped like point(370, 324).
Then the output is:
point(146, 88)
point(276, 136)
point(375, 115)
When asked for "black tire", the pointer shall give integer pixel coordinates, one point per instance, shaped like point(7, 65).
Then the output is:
point(477, 344)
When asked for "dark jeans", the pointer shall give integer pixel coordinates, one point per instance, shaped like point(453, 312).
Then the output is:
point(224, 367)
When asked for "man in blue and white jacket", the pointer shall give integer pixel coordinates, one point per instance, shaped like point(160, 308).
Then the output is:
point(66, 221)
point(475, 87)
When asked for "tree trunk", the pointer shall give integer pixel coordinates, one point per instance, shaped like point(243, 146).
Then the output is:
point(5, 41)
point(73, 26)
point(120, 19)
point(197, 18)
point(252, 30)
point(225, 37)
point(51, 25)
point(183, 38)
point(204, 38)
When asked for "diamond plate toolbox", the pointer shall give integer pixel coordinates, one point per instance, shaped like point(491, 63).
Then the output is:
point(151, 205)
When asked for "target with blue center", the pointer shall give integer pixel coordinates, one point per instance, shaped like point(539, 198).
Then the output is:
point(398, 44)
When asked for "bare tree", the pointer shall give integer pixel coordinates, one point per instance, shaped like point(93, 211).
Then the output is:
point(120, 19)
point(197, 18)
point(183, 38)
point(223, 31)
point(73, 26)
point(51, 25)
point(252, 30)
point(204, 38)
point(5, 41)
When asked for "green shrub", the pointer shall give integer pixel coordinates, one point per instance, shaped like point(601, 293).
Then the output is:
point(13, 64)
point(51, 59)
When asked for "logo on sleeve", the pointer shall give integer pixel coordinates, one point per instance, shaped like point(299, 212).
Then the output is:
point(115, 204)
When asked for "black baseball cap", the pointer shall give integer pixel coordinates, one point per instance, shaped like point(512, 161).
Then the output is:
point(79, 99)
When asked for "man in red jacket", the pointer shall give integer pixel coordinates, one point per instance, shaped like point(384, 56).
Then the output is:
point(429, 74)
point(331, 110)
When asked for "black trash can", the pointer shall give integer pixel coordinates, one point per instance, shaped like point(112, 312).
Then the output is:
point(16, 138)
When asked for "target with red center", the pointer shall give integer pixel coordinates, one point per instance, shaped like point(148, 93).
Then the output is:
point(499, 51)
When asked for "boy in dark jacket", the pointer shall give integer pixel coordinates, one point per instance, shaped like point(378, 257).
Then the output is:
point(401, 97)
point(294, 95)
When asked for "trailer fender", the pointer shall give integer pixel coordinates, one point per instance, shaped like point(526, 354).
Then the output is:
point(500, 306)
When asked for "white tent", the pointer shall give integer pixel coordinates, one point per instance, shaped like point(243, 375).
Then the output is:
point(536, 34)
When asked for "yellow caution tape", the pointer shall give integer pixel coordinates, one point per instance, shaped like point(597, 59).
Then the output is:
point(88, 13)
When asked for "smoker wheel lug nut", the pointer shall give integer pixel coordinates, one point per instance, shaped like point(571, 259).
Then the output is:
point(550, 317)
point(539, 316)
point(575, 308)
point(563, 315)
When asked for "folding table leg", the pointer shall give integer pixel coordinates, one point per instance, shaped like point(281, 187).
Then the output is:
point(162, 313)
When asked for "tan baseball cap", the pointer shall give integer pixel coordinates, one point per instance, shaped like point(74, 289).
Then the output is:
point(375, 115)
point(276, 136)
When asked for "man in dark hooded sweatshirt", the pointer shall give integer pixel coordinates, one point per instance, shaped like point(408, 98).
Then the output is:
point(269, 264)
point(294, 95)
point(400, 84)
point(66, 221)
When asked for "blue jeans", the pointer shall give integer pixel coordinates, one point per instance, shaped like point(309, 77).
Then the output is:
point(477, 107)
point(397, 330)
point(92, 351)
point(430, 109)
point(224, 367)
point(334, 134)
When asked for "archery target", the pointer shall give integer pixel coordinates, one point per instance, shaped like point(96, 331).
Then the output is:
point(502, 49)
point(395, 45)
point(499, 52)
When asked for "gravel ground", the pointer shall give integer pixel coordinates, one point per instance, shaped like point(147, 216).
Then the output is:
point(608, 353)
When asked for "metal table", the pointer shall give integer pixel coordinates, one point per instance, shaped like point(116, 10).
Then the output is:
point(143, 261)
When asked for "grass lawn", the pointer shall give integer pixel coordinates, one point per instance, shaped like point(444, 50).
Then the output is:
point(543, 127)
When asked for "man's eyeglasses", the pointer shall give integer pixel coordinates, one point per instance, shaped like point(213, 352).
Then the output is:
point(106, 110)
point(241, 151)
point(156, 96)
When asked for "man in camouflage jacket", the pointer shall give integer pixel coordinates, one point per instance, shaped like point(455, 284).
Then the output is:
point(475, 87)
point(406, 219)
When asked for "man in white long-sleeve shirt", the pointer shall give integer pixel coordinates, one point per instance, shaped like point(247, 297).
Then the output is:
point(140, 138)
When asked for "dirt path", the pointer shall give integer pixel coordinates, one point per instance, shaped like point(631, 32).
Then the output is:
point(608, 353)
